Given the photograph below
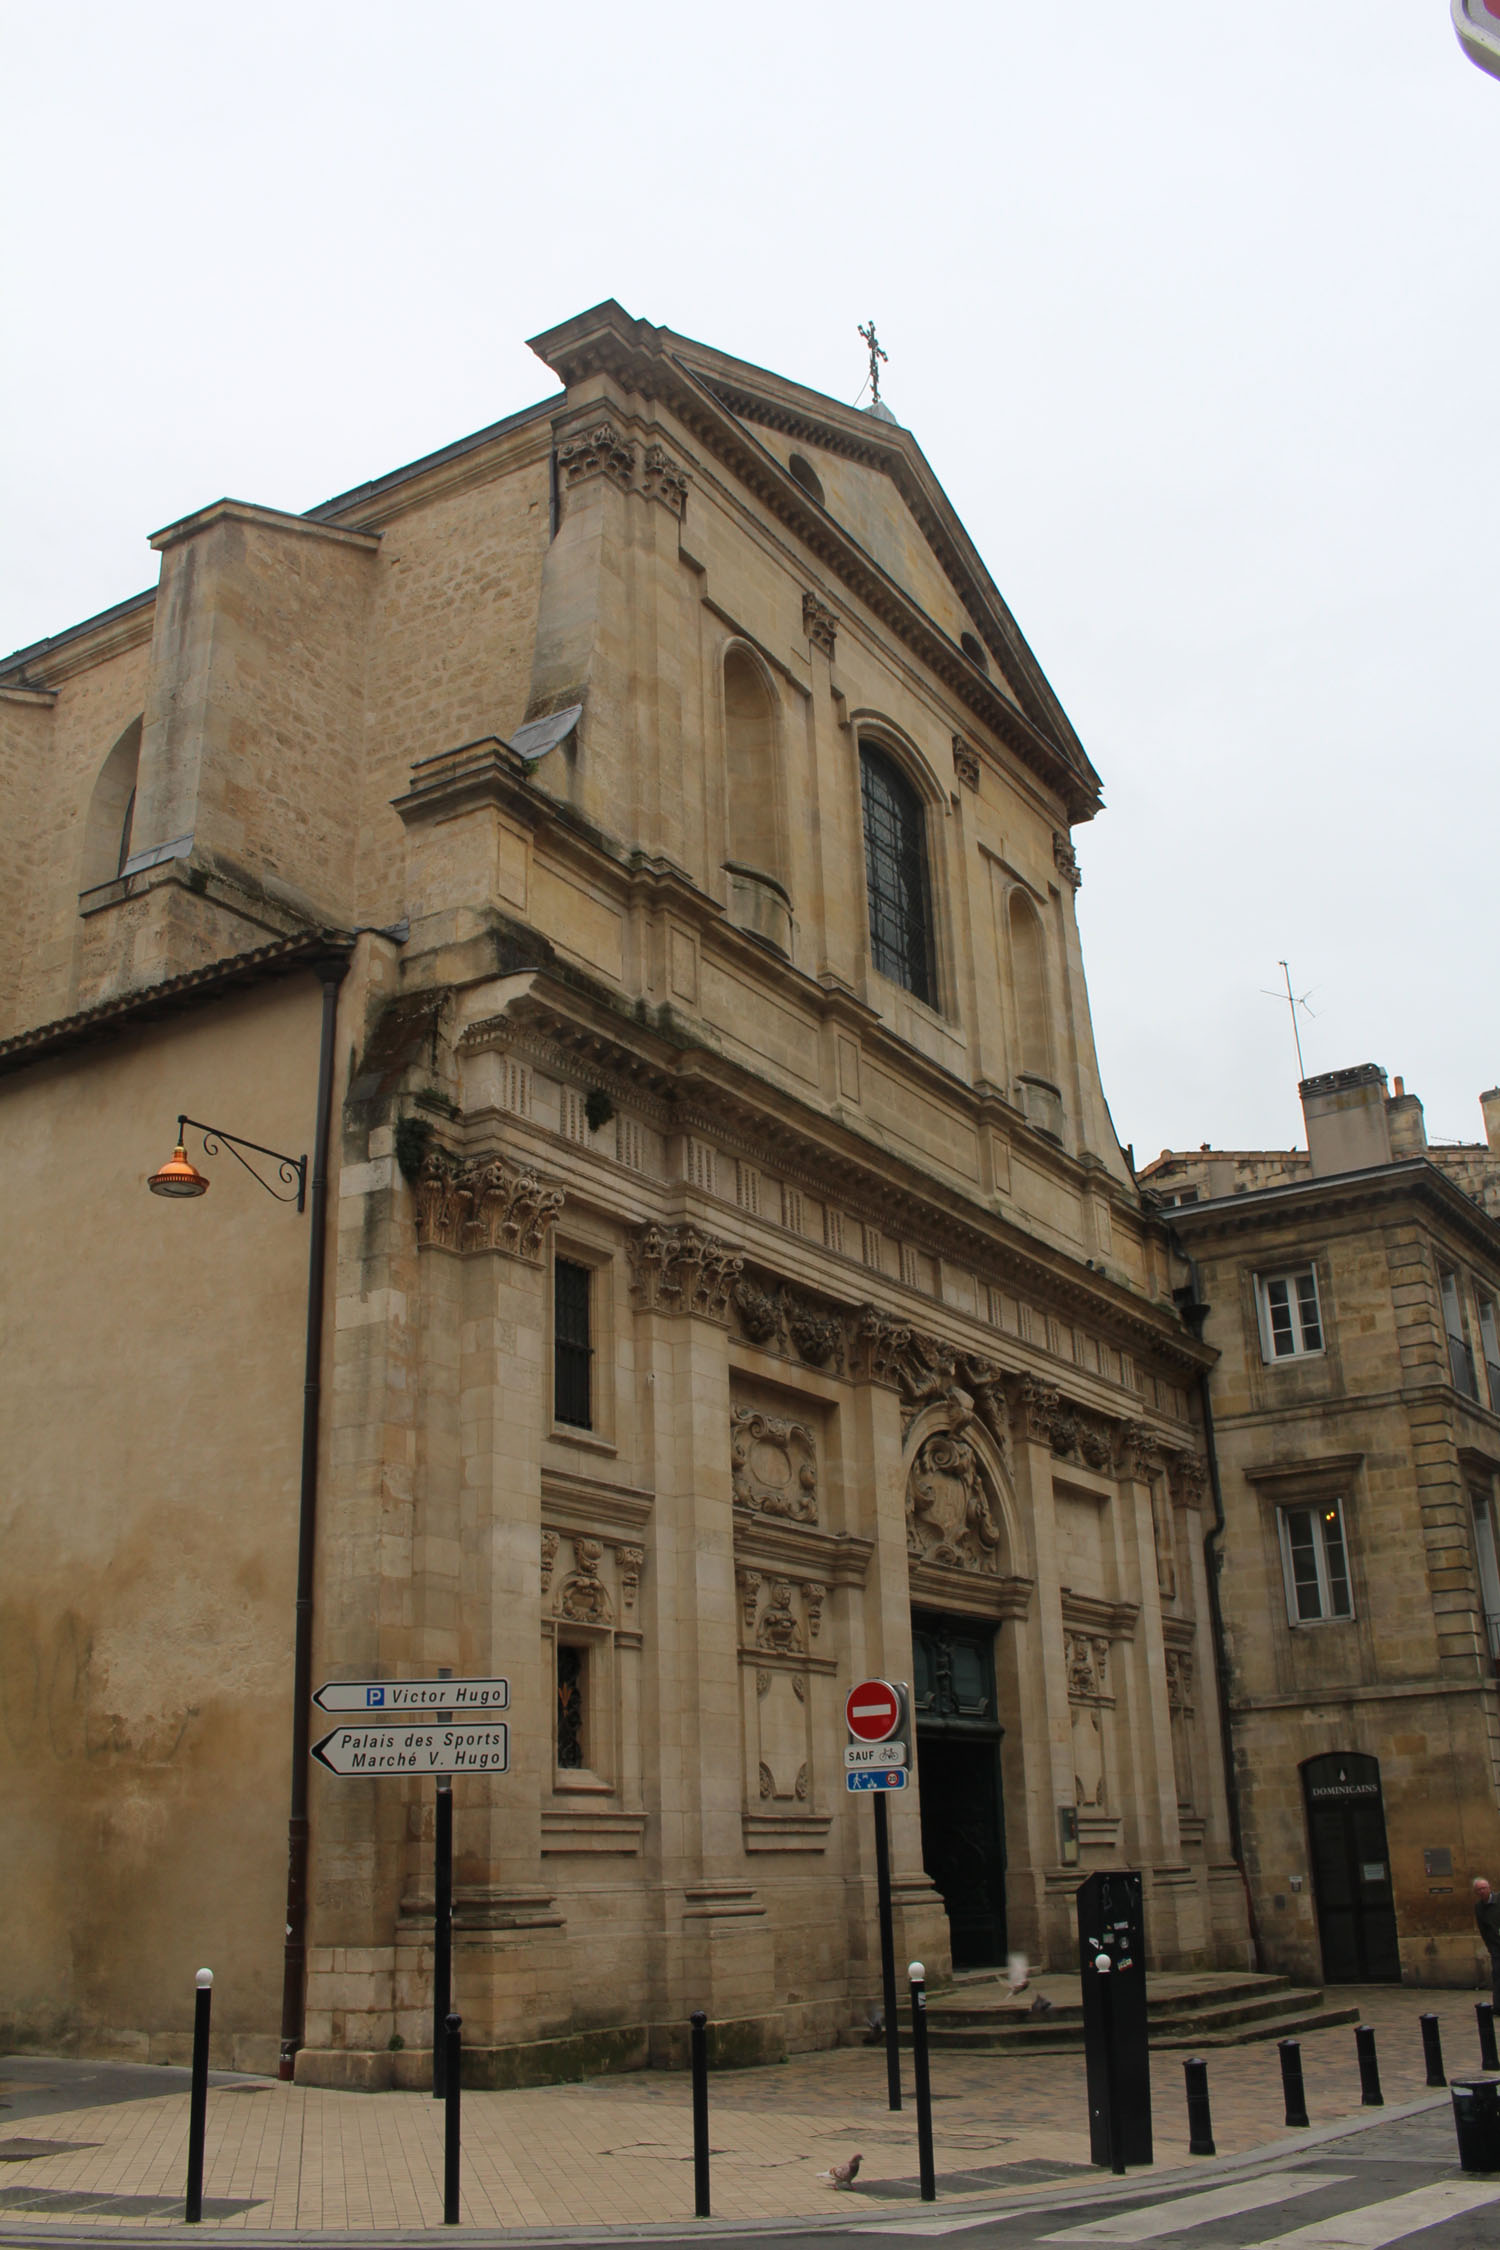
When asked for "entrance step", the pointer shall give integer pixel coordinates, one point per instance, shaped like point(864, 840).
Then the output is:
point(980, 2014)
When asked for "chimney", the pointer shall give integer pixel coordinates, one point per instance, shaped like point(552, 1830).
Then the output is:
point(1490, 1104)
point(1403, 1116)
point(1346, 1119)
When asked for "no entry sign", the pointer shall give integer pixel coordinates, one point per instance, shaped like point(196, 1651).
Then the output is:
point(872, 1711)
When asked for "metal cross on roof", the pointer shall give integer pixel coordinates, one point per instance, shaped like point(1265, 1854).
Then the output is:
point(876, 355)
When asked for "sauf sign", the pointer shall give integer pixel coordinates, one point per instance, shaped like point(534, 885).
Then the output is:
point(1477, 23)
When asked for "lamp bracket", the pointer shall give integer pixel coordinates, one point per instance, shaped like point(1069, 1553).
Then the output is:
point(290, 1170)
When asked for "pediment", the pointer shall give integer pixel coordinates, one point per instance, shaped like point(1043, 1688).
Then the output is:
point(884, 523)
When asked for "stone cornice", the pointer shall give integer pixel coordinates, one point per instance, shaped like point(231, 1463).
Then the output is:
point(1337, 1196)
point(828, 1151)
point(261, 519)
point(127, 625)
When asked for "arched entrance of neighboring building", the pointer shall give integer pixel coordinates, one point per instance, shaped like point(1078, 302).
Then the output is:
point(958, 1770)
point(1351, 1869)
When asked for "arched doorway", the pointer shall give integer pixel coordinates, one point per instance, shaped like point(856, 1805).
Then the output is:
point(1351, 1868)
point(958, 1772)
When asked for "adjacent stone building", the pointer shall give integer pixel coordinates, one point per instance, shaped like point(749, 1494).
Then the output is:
point(649, 819)
point(1351, 1292)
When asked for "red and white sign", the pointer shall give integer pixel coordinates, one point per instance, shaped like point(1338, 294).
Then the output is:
point(872, 1711)
point(1477, 23)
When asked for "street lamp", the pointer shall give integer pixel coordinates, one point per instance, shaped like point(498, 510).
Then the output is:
point(181, 1179)
point(178, 1177)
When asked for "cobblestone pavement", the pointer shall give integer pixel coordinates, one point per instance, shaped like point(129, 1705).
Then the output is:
point(618, 2151)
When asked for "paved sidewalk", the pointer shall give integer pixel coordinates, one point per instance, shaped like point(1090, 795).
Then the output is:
point(618, 2151)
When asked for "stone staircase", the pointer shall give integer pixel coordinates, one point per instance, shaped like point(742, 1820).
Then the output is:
point(979, 2014)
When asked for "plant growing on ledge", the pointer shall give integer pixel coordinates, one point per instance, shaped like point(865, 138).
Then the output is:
point(413, 1139)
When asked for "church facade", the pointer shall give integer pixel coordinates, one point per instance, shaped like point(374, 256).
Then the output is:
point(647, 825)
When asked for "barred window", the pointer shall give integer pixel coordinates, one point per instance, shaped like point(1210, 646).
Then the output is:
point(896, 874)
point(572, 1346)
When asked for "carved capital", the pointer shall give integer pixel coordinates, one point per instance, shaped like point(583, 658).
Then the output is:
point(663, 480)
point(683, 1270)
point(629, 1562)
point(599, 452)
point(491, 1205)
point(966, 762)
point(1140, 1452)
point(1188, 1472)
point(1036, 1405)
point(880, 1345)
point(1065, 859)
point(819, 623)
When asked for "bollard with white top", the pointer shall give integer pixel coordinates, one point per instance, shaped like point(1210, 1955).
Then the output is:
point(917, 1975)
point(198, 2097)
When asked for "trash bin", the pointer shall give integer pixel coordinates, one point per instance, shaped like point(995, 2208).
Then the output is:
point(1476, 2121)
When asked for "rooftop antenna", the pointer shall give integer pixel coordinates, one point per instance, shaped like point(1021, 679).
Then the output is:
point(1294, 1001)
point(876, 356)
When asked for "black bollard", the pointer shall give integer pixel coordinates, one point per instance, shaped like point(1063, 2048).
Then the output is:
point(1290, 2052)
point(453, 2055)
point(1488, 2059)
point(198, 2097)
point(1369, 2068)
point(1200, 2118)
point(700, 2114)
point(918, 1976)
point(1432, 2048)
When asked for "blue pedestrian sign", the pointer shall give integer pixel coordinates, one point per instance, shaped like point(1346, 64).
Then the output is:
point(876, 1777)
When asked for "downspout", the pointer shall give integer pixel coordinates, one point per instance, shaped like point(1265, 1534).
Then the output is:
point(294, 1973)
point(1195, 1310)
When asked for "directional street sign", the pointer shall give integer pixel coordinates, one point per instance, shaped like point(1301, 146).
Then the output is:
point(413, 1697)
point(872, 1711)
point(876, 1777)
point(857, 1754)
point(481, 1746)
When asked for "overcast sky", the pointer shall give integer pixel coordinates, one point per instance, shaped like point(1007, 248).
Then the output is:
point(1192, 307)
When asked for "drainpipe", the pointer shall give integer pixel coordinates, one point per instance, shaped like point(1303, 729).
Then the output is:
point(294, 1971)
point(1195, 1310)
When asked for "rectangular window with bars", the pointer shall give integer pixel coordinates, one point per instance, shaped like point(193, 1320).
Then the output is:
point(572, 1344)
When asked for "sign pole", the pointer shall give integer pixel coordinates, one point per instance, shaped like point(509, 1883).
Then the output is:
point(887, 1952)
point(442, 1934)
point(442, 1920)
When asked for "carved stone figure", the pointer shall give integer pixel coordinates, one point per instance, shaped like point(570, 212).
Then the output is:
point(1088, 1666)
point(582, 1596)
point(778, 1629)
point(549, 1557)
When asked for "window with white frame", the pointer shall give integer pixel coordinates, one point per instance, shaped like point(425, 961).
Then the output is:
point(1315, 1560)
point(1291, 1322)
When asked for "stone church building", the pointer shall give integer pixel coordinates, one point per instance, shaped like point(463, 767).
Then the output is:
point(642, 832)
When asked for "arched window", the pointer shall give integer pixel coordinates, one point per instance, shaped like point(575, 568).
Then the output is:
point(755, 825)
point(111, 812)
point(1029, 971)
point(896, 874)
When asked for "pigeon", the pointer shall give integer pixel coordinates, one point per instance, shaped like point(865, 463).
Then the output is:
point(1041, 2005)
point(1017, 1972)
point(841, 2175)
point(876, 2031)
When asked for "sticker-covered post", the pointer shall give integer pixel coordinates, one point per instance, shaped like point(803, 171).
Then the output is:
point(877, 1760)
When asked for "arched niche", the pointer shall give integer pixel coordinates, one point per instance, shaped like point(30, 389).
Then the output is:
point(1040, 1095)
point(111, 809)
point(755, 823)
